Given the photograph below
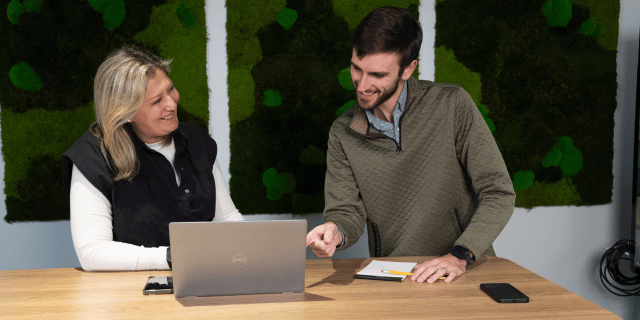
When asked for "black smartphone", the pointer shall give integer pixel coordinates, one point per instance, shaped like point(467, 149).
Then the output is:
point(504, 293)
point(158, 285)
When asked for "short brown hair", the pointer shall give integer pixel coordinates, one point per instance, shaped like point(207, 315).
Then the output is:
point(386, 30)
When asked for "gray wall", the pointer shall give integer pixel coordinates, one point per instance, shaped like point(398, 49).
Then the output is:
point(562, 244)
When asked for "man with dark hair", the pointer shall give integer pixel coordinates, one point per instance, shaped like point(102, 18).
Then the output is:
point(414, 160)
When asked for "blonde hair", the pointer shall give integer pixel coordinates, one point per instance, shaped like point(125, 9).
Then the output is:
point(118, 90)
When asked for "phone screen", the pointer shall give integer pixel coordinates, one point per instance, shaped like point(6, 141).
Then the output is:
point(158, 285)
point(504, 293)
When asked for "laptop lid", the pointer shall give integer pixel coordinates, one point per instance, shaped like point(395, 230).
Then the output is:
point(239, 257)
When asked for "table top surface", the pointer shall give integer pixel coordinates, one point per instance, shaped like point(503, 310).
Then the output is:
point(330, 292)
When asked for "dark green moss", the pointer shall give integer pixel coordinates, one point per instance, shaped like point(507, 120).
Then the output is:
point(186, 15)
point(307, 203)
point(311, 155)
point(345, 107)
point(42, 195)
point(185, 116)
point(353, 11)
point(605, 14)
point(541, 83)
point(65, 44)
point(302, 65)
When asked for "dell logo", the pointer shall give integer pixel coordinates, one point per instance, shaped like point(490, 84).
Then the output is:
point(239, 259)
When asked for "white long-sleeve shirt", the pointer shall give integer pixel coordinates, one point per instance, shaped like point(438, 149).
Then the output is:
point(92, 226)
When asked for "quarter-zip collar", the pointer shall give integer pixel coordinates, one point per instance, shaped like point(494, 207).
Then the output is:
point(360, 122)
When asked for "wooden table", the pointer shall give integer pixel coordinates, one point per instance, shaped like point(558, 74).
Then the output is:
point(330, 292)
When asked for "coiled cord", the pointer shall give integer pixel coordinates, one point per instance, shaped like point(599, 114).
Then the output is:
point(610, 269)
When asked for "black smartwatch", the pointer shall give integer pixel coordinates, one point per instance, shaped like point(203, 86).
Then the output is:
point(169, 256)
point(461, 252)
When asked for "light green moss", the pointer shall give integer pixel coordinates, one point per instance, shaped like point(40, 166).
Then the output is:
point(354, 11)
point(561, 193)
point(606, 14)
point(449, 70)
point(243, 47)
point(251, 15)
point(243, 50)
point(44, 132)
point(240, 104)
point(187, 48)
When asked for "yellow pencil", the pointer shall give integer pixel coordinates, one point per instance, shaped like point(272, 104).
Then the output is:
point(403, 273)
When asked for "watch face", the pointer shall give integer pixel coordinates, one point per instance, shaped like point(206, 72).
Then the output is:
point(461, 252)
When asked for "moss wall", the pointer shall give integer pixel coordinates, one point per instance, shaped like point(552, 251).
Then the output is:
point(52, 54)
point(543, 73)
point(288, 80)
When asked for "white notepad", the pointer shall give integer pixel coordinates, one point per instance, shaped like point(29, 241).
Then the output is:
point(374, 270)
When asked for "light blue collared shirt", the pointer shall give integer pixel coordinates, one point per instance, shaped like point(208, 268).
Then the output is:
point(391, 130)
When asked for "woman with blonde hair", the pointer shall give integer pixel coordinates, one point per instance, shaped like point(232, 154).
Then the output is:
point(138, 168)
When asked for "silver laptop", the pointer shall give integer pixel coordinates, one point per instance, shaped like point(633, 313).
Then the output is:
point(242, 257)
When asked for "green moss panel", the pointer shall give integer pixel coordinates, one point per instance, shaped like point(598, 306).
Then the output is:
point(547, 75)
point(41, 119)
point(178, 30)
point(288, 81)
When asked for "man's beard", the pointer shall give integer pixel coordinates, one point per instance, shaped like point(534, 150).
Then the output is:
point(381, 99)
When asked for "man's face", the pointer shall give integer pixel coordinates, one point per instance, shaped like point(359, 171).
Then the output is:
point(376, 78)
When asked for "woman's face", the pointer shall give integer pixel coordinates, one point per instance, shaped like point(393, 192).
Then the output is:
point(158, 115)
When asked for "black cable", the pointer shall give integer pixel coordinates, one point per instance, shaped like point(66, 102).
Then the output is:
point(610, 269)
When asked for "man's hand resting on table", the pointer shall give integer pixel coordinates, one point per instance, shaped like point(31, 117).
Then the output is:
point(324, 239)
point(446, 266)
